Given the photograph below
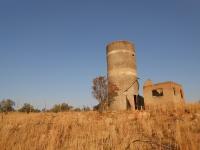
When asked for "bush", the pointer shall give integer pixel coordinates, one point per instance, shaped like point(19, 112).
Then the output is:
point(28, 108)
point(77, 109)
point(61, 107)
point(7, 105)
point(86, 108)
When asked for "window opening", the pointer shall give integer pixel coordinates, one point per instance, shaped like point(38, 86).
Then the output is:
point(174, 89)
point(157, 92)
point(181, 93)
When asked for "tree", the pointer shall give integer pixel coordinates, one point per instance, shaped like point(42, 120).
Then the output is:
point(86, 108)
point(7, 105)
point(77, 109)
point(100, 92)
point(28, 108)
point(61, 107)
point(99, 88)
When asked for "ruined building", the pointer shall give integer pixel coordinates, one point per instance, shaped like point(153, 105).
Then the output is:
point(122, 75)
point(163, 93)
point(123, 83)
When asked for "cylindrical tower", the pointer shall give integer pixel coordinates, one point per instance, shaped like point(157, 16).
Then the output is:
point(122, 75)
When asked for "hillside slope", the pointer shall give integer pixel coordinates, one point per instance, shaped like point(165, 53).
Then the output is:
point(93, 130)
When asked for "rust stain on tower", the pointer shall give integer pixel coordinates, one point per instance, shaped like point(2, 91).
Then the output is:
point(122, 74)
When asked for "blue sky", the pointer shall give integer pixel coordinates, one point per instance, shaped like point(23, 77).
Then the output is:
point(50, 50)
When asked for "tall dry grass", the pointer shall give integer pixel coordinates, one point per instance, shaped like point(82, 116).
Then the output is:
point(153, 128)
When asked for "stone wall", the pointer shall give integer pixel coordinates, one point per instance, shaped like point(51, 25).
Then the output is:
point(122, 73)
point(164, 93)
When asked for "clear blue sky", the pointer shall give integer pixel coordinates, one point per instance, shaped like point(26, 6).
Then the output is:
point(50, 50)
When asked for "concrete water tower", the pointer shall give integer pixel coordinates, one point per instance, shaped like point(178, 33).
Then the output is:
point(122, 75)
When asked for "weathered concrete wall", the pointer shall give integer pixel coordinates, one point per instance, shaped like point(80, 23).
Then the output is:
point(122, 72)
point(170, 93)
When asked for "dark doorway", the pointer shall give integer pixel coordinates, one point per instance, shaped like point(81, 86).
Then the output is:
point(135, 101)
point(139, 102)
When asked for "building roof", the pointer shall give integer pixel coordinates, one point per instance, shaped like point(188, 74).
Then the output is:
point(163, 83)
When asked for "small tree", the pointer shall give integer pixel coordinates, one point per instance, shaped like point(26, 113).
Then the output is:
point(61, 107)
point(28, 108)
point(7, 105)
point(44, 110)
point(77, 109)
point(99, 88)
point(99, 91)
point(86, 108)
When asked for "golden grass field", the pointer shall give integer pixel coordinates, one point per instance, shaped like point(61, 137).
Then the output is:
point(150, 129)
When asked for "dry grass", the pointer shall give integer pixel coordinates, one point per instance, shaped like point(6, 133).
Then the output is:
point(150, 129)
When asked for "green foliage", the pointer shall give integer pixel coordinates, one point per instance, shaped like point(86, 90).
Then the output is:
point(61, 108)
point(28, 108)
point(7, 105)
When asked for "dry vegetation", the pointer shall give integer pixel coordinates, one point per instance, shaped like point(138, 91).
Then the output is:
point(150, 129)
